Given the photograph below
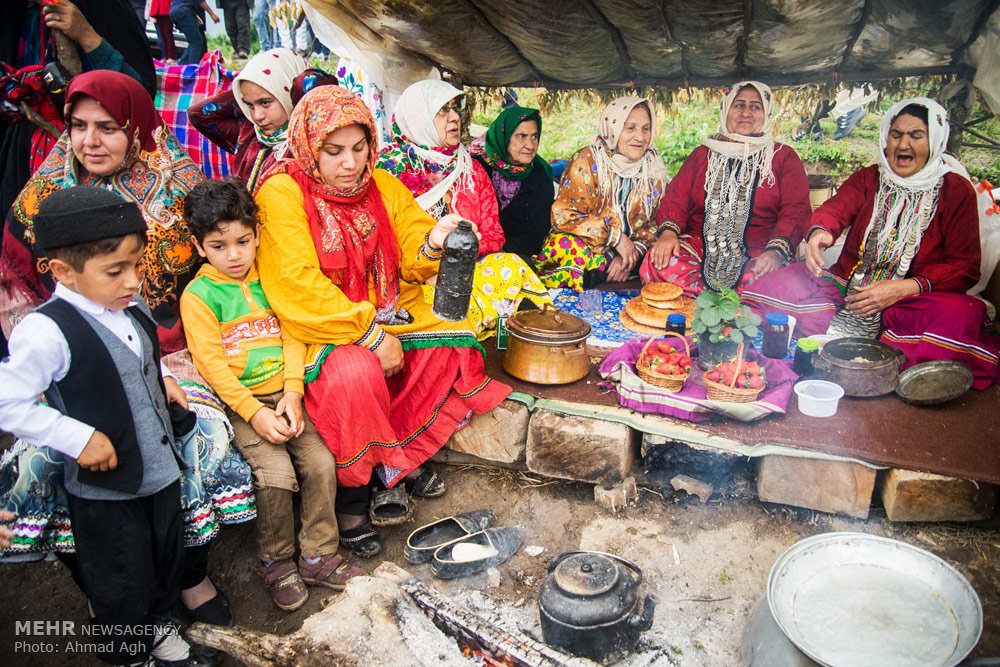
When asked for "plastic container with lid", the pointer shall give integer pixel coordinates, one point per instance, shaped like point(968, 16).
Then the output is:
point(805, 351)
point(676, 323)
point(775, 336)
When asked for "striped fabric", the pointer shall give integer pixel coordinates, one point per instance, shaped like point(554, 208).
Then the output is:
point(690, 402)
point(178, 87)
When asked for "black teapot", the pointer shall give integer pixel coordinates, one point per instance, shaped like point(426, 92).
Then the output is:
point(590, 606)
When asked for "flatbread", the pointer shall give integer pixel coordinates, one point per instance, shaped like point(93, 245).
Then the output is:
point(673, 304)
point(632, 325)
point(661, 292)
point(643, 313)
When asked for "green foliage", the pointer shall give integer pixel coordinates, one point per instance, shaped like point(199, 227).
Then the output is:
point(724, 317)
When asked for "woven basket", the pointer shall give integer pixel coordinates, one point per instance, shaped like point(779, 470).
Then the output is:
point(719, 391)
point(671, 383)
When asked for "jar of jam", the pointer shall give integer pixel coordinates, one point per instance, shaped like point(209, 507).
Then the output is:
point(805, 352)
point(775, 336)
point(676, 323)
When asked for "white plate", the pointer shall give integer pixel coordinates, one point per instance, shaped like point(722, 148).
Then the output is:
point(850, 599)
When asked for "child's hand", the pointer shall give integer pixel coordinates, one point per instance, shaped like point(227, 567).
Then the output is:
point(99, 454)
point(174, 392)
point(271, 426)
point(5, 532)
point(290, 406)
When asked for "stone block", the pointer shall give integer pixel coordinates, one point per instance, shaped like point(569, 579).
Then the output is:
point(617, 496)
point(922, 496)
point(497, 435)
point(838, 487)
point(692, 487)
point(584, 449)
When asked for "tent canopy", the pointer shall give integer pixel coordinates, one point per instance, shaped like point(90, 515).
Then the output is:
point(616, 43)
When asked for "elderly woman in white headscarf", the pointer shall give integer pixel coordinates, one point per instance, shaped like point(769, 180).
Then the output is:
point(427, 155)
point(737, 208)
point(250, 120)
point(602, 220)
point(910, 254)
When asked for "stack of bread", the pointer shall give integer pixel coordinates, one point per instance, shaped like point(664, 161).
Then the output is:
point(647, 313)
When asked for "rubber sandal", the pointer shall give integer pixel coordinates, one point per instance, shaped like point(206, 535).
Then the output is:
point(427, 484)
point(331, 570)
point(390, 507)
point(424, 541)
point(476, 552)
point(363, 540)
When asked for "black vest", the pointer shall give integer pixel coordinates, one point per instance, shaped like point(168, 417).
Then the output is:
point(527, 219)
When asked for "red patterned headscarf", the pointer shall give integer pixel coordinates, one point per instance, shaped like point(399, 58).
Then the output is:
point(122, 97)
point(354, 239)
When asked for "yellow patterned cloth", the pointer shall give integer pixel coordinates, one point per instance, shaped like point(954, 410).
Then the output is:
point(502, 280)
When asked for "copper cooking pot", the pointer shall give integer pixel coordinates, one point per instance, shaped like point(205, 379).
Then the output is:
point(547, 346)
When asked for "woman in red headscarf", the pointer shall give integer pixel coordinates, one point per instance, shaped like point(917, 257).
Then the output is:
point(343, 250)
point(114, 139)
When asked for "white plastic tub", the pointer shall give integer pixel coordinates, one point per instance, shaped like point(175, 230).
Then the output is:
point(818, 398)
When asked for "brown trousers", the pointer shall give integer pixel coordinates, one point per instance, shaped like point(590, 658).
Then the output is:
point(302, 464)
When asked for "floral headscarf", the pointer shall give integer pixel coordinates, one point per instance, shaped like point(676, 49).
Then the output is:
point(274, 71)
point(354, 239)
point(156, 174)
point(618, 175)
point(415, 156)
point(498, 138)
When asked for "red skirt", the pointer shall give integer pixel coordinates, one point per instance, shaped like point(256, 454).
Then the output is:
point(368, 420)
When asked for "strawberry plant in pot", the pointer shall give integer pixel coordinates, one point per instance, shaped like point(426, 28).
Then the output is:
point(722, 322)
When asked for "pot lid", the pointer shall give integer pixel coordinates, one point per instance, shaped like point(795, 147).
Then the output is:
point(856, 352)
point(548, 325)
point(586, 575)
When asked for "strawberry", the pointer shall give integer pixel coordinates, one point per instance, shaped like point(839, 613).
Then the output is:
point(673, 357)
point(712, 375)
point(664, 346)
point(727, 377)
point(726, 331)
point(755, 382)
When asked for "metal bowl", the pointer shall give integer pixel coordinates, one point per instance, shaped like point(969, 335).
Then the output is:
point(934, 382)
point(860, 600)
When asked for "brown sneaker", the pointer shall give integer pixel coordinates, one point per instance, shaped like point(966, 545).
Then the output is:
point(331, 570)
point(285, 585)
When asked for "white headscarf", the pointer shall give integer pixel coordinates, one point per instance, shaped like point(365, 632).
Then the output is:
point(730, 144)
point(614, 168)
point(274, 71)
point(414, 116)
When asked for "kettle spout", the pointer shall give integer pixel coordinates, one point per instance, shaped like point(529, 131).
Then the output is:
point(644, 621)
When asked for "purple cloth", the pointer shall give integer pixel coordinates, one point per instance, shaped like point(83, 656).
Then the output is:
point(506, 188)
point(690, 402)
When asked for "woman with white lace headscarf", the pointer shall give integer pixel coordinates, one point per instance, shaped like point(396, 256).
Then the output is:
point(910, 254)
point(737, 208)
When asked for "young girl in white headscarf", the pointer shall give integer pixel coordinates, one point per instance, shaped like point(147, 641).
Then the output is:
point(427, 155)
point(250, 120)
point(602, 220)
point(737, 208)
point(910, 254)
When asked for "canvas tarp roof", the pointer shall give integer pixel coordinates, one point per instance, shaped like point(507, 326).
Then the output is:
point(615, 43)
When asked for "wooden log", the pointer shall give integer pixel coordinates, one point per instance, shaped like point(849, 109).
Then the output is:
point(922, 496)
point(838, 487)
point(503, 644)
point(497, 435)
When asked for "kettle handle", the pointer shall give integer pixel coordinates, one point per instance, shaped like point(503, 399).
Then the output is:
point(627, 563)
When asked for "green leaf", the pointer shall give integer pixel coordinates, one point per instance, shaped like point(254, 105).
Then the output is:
point(749, 332)
point(698, 326)
point(742, 321)
point(736, 336)
point(705, 299)
point(711, 317)
point(728, 310)
point(715, 338)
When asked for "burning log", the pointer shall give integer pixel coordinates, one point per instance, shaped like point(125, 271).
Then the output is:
point(506, 647)
point(389, 618)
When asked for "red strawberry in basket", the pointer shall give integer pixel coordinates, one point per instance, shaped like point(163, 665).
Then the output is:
point(755, 382)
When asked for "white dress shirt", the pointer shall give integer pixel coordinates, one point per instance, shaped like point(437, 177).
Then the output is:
point(39, 356)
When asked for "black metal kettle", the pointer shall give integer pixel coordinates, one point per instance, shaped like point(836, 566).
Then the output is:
point(590, 606)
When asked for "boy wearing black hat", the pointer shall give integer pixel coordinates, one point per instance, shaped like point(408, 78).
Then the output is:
point(93, 350)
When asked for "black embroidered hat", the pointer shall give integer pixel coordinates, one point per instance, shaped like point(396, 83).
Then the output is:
point(84, 214)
